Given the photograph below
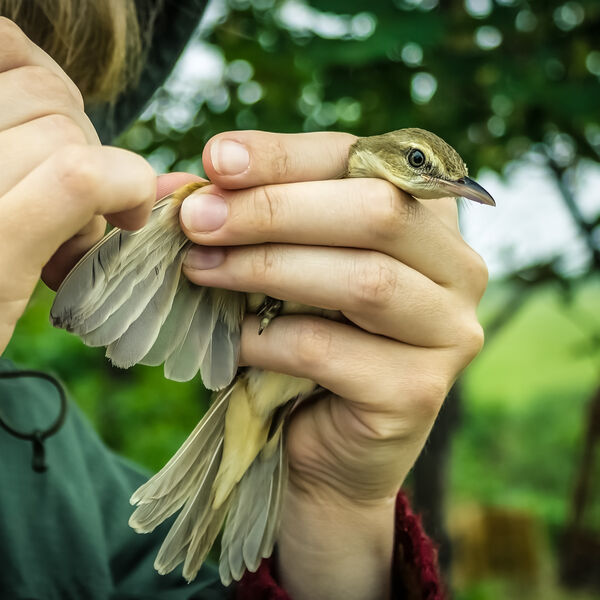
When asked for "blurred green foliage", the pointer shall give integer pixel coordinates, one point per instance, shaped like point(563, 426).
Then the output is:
point(493, 78)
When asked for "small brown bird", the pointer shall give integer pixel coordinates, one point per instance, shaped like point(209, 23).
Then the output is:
point(127, 294)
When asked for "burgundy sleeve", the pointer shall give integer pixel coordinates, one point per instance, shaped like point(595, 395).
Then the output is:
point(415, 574)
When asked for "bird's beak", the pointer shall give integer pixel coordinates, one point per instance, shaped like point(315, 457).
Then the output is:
point(467, 188)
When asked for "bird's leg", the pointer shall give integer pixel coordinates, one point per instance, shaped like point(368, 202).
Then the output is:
point(269, 309)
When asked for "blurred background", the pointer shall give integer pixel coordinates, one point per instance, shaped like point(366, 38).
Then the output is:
point(509, 483)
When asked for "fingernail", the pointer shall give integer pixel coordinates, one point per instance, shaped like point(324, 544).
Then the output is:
point(202, 213)
point(204, 257)
point(229, 158)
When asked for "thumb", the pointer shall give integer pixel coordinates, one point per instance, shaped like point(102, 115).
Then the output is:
point(72, 250)
point(165, 185)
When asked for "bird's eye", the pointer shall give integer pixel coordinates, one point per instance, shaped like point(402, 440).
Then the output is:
point(416, 158)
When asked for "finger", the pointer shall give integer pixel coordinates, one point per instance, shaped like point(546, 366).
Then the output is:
point(72, 250)
point(445, 209)
point(18, 51)
point(65, 258)
point(376, 374)
point(240, 159)
point(64, 193)
point(243, 159)
point(165, 184)
point(355, 213)
point(32, 91)
point(374, 291)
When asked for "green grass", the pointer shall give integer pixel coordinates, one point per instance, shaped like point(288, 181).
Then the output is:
point(544, 350)
point(526, 398)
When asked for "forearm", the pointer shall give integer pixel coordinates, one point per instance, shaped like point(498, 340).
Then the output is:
point(329, 550)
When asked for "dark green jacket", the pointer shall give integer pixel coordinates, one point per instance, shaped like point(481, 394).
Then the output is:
point(64, 532)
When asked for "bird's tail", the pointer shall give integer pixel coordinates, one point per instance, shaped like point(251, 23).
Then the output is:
point(253, 519)
point(187, 482)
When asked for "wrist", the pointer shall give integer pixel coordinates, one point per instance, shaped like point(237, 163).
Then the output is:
point(331, 547)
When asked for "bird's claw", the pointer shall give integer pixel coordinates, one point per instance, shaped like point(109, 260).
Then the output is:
point(269, 309)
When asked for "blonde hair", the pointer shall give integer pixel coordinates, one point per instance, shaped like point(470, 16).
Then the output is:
point(97, 42)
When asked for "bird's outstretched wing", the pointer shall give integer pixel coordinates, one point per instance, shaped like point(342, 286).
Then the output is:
point(128, 294)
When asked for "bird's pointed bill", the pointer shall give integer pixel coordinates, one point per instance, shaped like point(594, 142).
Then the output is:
point(467, 188)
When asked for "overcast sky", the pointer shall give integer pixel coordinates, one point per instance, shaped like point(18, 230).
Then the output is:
point(530, 222)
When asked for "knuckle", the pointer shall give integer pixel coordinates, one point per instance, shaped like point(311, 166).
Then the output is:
point(15, 45)
point(41, 83)
point(380, 427)
point(279, 159)
point(76, 170)
point(264, 209)
point(264, 263)
point(389, 209)
point(374, 282)
point(472, 340)
point(6, 25)
point(426, 398)
point(475, 272)
point(313, 344)
point(60, 127)
point(146, 178)
point(405, 410)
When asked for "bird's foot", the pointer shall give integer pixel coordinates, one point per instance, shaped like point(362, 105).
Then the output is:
point(269, 309)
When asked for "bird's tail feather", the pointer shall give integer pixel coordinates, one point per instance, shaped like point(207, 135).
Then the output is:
point(253, 519)
point(173, 484)
point(191, 532)
point(187, 482)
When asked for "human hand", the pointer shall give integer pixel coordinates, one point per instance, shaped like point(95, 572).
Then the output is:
point(399, 270)
point(56, 181)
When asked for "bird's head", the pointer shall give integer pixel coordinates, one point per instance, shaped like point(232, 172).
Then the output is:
point(418, 162)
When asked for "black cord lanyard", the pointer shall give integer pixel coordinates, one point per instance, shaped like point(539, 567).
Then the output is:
point(38, 436)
